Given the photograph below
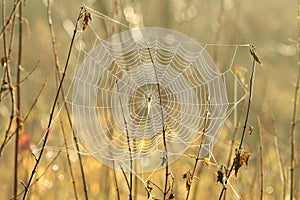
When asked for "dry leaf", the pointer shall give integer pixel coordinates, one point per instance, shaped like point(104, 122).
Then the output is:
point(251, 129)
point(188, 177)
point(24, 142)
point(149, 188)
point(241, 157)
point(207, 162)
point(220, 176)
point(254, 54)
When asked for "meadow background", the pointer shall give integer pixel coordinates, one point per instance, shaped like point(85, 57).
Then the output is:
point(270, 25)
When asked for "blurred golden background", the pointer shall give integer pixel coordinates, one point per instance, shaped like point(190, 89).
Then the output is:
point(270, 25)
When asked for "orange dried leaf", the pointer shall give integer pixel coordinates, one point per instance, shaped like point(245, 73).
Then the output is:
point(245, 158)
point(251, 129)
point(189, 179)
point(21, 123)
point(188, 183)
point(237, 69)
point(24, 142)
point(240, 159)
point(207, 162)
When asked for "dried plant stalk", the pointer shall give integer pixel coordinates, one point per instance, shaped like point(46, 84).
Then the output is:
point(45, 139)
point(261, 159)
point(165, 157)
point(294, 119)
point(238, 151)
point(129, 147)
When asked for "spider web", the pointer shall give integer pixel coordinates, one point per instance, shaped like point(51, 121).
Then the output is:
point(190, 86)
point(116, 104)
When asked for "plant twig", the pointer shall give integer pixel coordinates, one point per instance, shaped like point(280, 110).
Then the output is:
point(5, 24)
point(7, 76)
point(294, 118)
point(165, 156)
point(261, 159)
point(234, 134)
point(41, 175)
point(18, 96)
point(45, 137)
point(116, 181)
point(68, 158)
point(31, 72)
point(35, 100)
point(279, 159)
point(206, 120)
point(249, 103)
point(128, 143)
point(65, 106)
point(126, 179)
point(255, 59)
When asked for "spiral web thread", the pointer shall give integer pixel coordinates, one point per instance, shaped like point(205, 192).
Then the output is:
point(116, 84)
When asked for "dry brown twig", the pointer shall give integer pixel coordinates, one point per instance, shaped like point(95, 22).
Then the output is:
point(45, 138)
point(57, 70)
point(241, 156)
point(190, 178)
point(294, 118)
point(261, 159)
point(129, 146)
point(165, 160)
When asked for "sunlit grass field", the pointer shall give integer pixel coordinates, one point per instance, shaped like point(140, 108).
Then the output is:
point(28, 94)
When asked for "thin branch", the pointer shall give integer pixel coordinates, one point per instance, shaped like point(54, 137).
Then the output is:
point(206, 120)
point(165, 157)
point(255, 59)
point(7, 76)
point(149, 181)
point(16, 4)
point(45, 139)
point(83, 10)
point(126, 179)
point(294, 118)
point(235, 133)
point(35, 100)
point(41, 175)
point(31, 72)
point(279, 159)
point(18, 94)
point(116, 181)
point(68, 158)
point(261, 159)
point(128, 143)
point(249, 103)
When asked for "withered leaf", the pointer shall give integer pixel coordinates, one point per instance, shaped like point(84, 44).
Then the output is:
point(240, 158)
point(207, 162)
point(188, 177)
point(188, 183)
point(245, 158)
point(220, 176)
point(254, 54)
point(251, 129)
point(149, 188)
point(172, 195)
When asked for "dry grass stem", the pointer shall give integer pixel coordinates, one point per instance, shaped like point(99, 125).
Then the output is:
point(206, 120)
point(45, 138)
point(261, 159)
point(18, 102)
point(165, 156)
point(129, 146)
point(239, 150)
